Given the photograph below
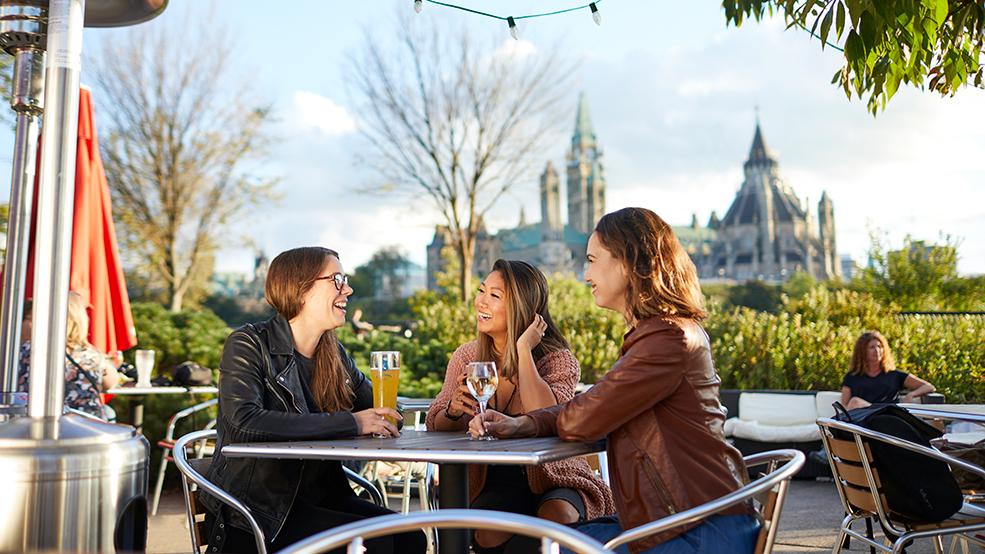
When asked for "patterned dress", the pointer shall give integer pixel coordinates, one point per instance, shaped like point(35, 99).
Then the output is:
point(81, 393)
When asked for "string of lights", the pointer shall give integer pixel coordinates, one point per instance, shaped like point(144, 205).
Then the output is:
point(511, 20)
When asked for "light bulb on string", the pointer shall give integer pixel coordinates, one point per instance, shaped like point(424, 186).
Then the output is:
point(513, 31)
point(418, 5)
point(596, 16)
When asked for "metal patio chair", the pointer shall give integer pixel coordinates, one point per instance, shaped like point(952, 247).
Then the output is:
point(194, 470)
point(856, 476)
point(353, 534)
point(769, 491)
point(167, 446)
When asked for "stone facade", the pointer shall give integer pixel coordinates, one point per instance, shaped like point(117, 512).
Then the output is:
point(767, 233)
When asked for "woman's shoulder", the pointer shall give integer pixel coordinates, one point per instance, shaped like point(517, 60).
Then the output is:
point(467, 352)
point(556, 359)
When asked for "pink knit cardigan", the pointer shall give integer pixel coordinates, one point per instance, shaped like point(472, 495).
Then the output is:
point(560, 370)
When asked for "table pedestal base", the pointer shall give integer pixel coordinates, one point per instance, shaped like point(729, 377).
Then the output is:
point(453, 492)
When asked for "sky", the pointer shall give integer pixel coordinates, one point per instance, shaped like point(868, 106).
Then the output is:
point(672, 93)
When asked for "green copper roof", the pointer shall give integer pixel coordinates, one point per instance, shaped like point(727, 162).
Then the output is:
point(583, 123)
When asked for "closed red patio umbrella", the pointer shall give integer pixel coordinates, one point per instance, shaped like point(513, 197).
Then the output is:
point(96, 273)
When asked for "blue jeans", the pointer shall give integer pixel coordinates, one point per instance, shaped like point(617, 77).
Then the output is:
point(723, 533)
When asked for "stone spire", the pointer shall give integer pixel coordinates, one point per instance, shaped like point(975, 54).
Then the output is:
point(584, 133)
point(759, 154)
point(551, 227)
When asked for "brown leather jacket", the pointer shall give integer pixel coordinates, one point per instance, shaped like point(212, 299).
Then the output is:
point(659, 408)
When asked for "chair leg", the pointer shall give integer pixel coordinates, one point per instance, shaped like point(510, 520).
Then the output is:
point(868, 533)
point(160, 481)
point(405, 501)
point(938, 545)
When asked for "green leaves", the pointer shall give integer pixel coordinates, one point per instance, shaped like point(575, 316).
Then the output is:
point(935, 44)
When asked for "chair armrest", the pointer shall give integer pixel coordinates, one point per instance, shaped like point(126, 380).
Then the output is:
point(364, 483)
point(173, 422)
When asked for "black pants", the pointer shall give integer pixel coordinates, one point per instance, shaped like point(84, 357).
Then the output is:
point(507, 490)
point(307, 519)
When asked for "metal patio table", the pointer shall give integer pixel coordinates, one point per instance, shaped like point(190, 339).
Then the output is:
point(452, 451)
point(137, 408)
point(961, 412)
point(415, 406)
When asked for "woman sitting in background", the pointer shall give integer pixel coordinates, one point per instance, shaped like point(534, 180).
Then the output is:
point(88, 372)
point(873, 377)
point(536, 370)
point(658, 406)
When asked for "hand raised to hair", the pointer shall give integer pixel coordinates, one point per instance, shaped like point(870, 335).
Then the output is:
point(533, 335)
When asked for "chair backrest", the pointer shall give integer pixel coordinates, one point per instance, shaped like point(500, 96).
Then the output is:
point(856, 471)
point(354, 534)
point(777, 478)
point(173, 422)
point(192, 473)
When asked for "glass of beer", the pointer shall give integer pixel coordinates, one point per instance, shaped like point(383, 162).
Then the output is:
point(482, 380)
point(384, 371)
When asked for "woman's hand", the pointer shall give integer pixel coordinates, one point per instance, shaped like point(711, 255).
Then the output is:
point(462, 401)
point(531, 337)
point(372, 421)
point(501, 426)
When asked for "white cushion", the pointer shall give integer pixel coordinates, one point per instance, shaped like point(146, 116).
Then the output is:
point(730, 425)
point(777, 409)
point(823, 401)
point(757, 431)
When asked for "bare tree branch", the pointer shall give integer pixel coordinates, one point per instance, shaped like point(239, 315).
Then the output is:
point(459, 118)
point(181, 131)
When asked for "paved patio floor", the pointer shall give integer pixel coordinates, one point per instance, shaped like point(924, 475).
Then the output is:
point(809, 523)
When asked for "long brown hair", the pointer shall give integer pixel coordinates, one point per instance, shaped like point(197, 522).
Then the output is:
point(860, 357)
point(290, 276)
point(526, 295)
point(662, 277)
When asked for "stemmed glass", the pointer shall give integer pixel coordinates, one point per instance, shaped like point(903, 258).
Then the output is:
point(482, 380)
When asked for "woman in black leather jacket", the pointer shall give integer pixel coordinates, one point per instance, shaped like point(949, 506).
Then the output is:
point(288, 378)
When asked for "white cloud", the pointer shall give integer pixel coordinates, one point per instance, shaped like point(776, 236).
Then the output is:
point(516, 49)
point(314, 111)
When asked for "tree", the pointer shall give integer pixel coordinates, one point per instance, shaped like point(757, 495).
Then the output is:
point(181, 129)
point(384, 275)
point(456, 118)
point(935, 44)
point(919, 277)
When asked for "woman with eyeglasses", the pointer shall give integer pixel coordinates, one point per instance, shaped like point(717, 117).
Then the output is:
point(288, 378)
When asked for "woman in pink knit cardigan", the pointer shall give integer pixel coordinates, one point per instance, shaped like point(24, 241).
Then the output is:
point(537, 370)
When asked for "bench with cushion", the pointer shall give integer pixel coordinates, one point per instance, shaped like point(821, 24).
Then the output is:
point(767, 420)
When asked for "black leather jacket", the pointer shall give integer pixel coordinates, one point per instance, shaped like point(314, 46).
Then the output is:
point(261, 400)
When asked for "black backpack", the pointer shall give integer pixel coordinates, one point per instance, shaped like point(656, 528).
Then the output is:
point(917, 487)
point(190, 374)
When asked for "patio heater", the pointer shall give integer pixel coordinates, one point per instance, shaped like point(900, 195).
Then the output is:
point(71, 483)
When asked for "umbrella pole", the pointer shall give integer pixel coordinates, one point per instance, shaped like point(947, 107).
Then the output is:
point(22, 35)
point(56, 197)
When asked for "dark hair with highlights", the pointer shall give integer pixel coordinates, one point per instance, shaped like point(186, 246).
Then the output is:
point(662, 278)
point(290, 276)
point(526, 296)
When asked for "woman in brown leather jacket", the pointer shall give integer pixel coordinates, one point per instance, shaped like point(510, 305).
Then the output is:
point(658, 406)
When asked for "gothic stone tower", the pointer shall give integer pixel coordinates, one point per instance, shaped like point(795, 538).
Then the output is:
point(768, 233)
point(826, 228)
point(586, 174)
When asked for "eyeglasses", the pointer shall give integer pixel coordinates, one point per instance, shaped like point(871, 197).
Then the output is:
point(341, 279)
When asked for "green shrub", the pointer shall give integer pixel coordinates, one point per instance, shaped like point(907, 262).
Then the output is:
point(808, 344)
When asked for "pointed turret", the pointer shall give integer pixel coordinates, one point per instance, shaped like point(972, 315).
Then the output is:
point(759, 154)
point(584, 133)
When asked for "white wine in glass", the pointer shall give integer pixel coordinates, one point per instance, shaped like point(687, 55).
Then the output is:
point(482, 380)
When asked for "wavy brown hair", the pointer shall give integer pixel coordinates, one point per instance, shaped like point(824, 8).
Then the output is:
point(526, 295)
point(662, 277)
point(290, 276)
point(860, 356)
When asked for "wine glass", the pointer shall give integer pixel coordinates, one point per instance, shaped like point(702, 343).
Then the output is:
point(482, 380)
